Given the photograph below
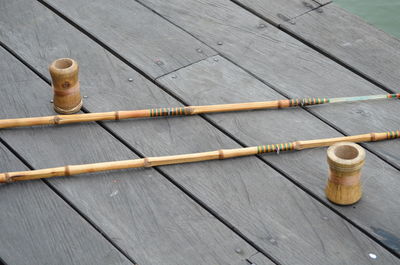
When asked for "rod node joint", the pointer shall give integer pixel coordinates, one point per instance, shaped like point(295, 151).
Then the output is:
point(146, 162)
point(221, 154)
point(67, 171)
point(56, 119)
point(189, 110)
point(117, 116)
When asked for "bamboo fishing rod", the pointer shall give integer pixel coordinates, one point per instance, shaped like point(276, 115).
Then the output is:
point(182, 111)
point(188, 158)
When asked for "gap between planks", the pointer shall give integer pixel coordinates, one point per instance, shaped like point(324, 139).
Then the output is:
point(139, 154)
point(47, 183)
point(337, 60)
point(326, 54)
point(120, 57)
point(259, 79)
point(312, 46)
point(115, 53)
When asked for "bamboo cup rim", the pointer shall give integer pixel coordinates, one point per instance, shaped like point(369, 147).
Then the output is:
point(63, 64)
point(346, 155)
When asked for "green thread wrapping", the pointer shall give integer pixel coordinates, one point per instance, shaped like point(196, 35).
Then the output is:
point(393, 134)
point(274, 148)
point(307, 101)
point(167, 112)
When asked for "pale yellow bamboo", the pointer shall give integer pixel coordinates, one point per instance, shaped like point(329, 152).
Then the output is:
point(176, 111)
point(74, 118)
point(330, 141)
point(144, 113)
point(239, 106)
point(188, 158)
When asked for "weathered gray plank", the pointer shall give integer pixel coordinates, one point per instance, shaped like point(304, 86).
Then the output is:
point(280, 11)
point(38, 227)
point(352, 41)
point(323, 2)
point(291, 222)
point(287, 65)
point(216, 81)
point(143, 213)
point(153, 45)
point(256, 259)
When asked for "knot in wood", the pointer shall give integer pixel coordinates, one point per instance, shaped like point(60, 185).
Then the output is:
point(66, 84)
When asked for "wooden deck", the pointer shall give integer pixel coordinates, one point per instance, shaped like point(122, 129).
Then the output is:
point(268, 209)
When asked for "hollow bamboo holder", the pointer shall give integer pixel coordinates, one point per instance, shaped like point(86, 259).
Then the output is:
point(67, 97)
point(179, 111)
point(345, 161)
point(188, 158)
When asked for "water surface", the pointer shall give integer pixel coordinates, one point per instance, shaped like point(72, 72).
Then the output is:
point(383, 14)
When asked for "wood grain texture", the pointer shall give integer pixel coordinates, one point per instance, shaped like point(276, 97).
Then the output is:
point(38, 227)
point(287, 65)
point(257, 259)
point(255, 199)
point(215, 80)
point(352, 41)
point(279, 11)
point(143, 213)
point(149, 42)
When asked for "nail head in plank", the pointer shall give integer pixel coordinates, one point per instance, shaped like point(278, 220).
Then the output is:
point(145, 39)
point(286, 64)
point(352, 41)
point(221, 140)
point(143, 213)
point(208, 82)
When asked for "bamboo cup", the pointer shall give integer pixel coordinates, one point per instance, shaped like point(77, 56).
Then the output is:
point(345, 161)
point(67, 97)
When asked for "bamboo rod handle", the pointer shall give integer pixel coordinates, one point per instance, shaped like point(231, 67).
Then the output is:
point(124, 164)
point(188, 158)
point(73, 118)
